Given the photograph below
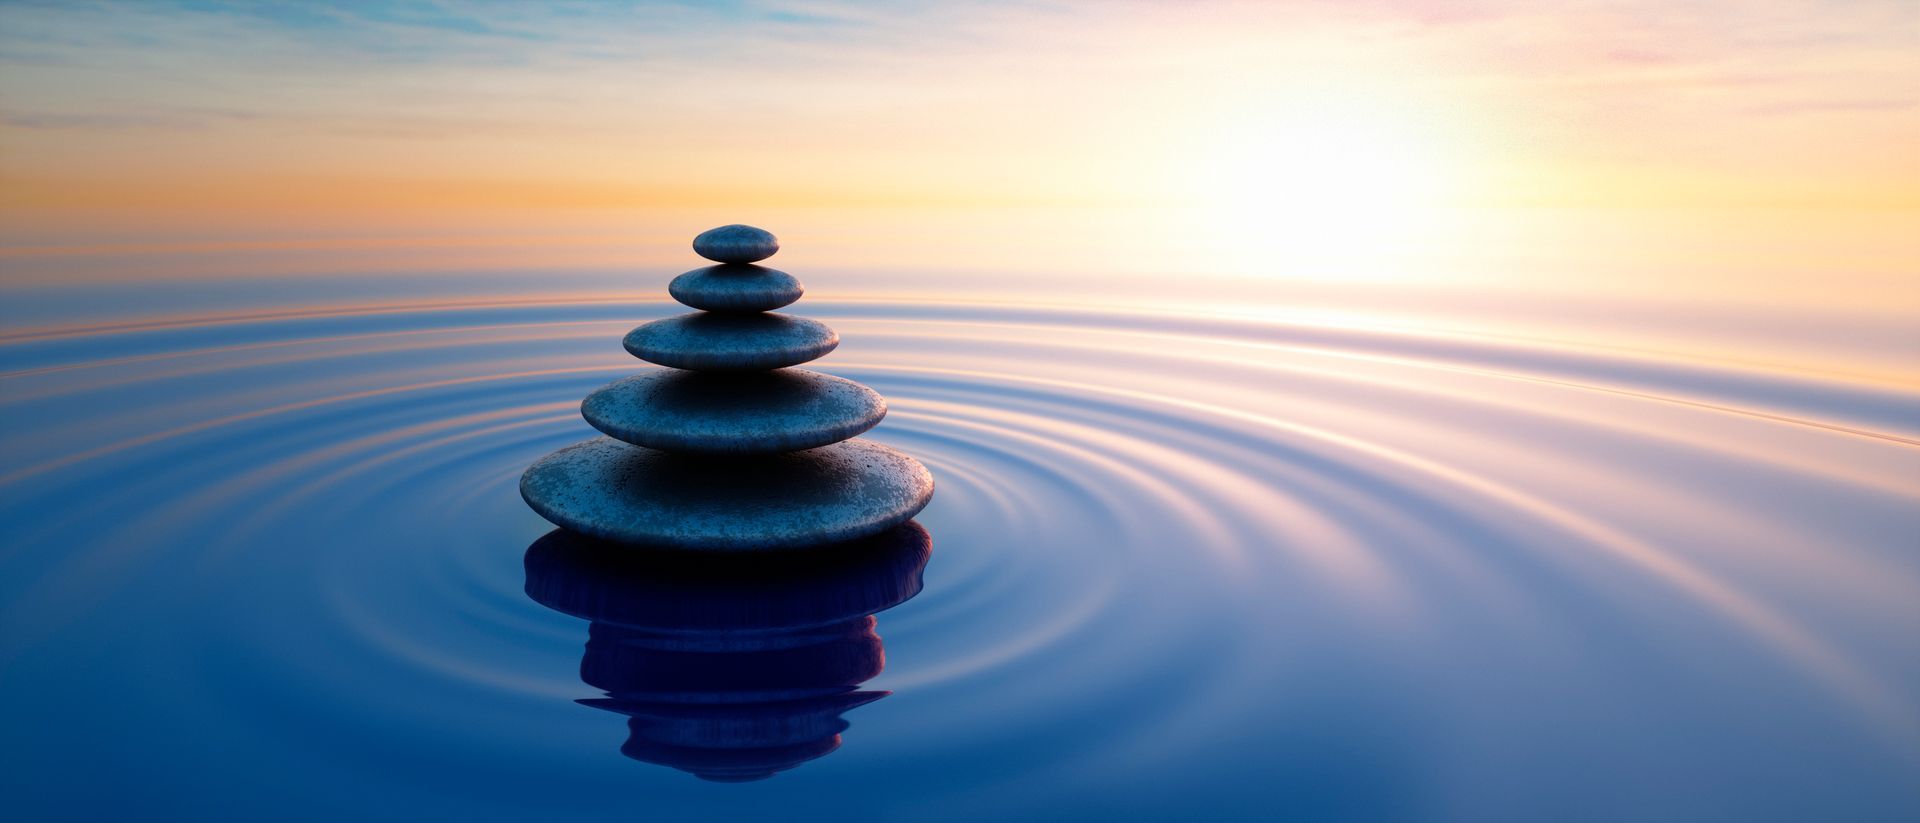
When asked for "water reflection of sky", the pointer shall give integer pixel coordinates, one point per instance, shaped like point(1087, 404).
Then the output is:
point(1288, 557)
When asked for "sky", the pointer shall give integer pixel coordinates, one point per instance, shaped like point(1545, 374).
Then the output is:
point(1739, 139)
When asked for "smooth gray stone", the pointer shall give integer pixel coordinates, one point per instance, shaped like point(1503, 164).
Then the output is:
point(614, 491)
point(704, 341)
point(733, 412)
point(736, 244)
point(740, 287)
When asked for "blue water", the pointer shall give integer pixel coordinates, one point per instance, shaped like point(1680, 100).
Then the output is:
point(272, 564)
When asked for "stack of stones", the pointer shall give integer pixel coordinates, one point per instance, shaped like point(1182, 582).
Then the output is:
point(729, 448)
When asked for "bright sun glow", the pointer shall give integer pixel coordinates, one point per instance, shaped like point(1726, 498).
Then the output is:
point(1317, 183)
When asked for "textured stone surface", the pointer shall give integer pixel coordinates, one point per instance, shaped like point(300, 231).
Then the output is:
point(611, 490)
point(733, 412)
point(731, 342)
point(736, 244)
point(738, 287)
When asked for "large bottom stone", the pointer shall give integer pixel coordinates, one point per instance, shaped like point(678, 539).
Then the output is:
point(615, 491)
point(733, 412)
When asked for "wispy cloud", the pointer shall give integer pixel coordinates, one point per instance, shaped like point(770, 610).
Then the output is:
point(1016, 100)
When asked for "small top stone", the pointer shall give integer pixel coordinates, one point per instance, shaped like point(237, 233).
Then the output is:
point(736, 244)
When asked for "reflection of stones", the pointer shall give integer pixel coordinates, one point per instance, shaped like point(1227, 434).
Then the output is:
point(732, 668)
point(727, 449)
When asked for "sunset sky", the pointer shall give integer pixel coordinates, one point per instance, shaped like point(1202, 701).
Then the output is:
point(1309, 129)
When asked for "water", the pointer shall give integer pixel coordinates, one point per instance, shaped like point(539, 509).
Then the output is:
point(271, 564)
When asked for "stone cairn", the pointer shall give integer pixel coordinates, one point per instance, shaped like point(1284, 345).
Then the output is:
point(729, 448)
point(731, 660)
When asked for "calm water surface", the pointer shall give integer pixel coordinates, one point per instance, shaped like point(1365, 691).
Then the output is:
point(267, 561)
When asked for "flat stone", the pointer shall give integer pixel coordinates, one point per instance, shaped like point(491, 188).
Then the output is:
point(610, 490)
point(736, 244)
point(733, 412)
point(704, 341)
point(738, 287)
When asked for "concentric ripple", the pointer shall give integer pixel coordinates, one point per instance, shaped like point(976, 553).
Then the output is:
point(271, 567)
